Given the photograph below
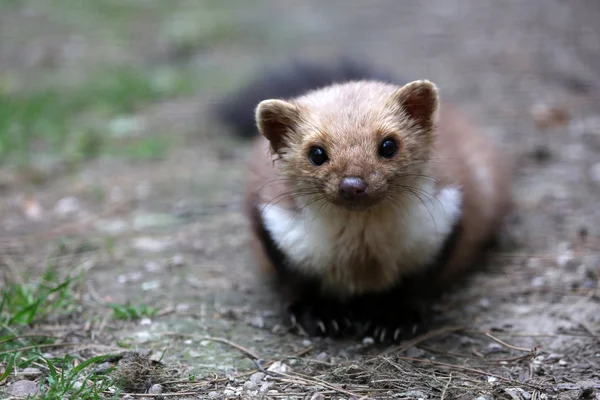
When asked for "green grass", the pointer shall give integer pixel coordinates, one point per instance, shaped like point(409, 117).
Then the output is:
point(74, 122)
point(132, 312)
point(24, 306)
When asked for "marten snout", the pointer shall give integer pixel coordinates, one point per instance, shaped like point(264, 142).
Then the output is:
point(352, 188)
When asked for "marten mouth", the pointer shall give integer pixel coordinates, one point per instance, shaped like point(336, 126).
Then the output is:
point(357, 204)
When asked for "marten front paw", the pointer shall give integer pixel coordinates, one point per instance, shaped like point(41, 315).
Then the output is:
point(323, 322)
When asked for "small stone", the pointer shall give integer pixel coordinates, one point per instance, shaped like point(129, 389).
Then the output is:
point(322, 356)
point(31, 373)
point(273, 391)
point(595, 173)
point(278, 367)
point(77, 385)
point(368, 341)
point(101, 368)
point(484, 303)
point(183, 307)
point(145, 321)
point(250, 385)
point(548, 116)
point(24, 388)
point(554, 357)
point(228, 392)
point(128, 397)
point(562, 362)
point(32, 208)
point(415, 394)
point(150, 244)
point(177, 261)
point(306, 343)
point(257, 377)
point(155, 389)
point(494, 348)
point(67, 206)
point(317, 396)
point(265, 386)
point(152, 266)
point(213, 395)
point(484, 397)
point(257, 322)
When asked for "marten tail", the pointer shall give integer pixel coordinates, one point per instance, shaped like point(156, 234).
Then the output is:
point(236, 109)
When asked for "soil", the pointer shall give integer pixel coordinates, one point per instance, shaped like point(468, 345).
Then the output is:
point(527, 72)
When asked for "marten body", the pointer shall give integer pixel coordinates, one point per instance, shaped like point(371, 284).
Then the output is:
point(363, 195)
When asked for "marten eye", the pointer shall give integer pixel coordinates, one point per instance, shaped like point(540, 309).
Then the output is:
point(388, 148)
point(317, 155)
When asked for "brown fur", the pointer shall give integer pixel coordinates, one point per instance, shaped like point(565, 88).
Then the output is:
point(344, 119)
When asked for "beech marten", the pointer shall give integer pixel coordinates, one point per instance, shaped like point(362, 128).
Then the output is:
point(364, 195)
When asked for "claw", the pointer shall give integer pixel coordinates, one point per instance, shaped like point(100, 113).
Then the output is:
point(376, 331)
point(382, 336)
point(347, 322)
point(321, 326)
point(335, 325)
point(293, 320)
point(397, 333)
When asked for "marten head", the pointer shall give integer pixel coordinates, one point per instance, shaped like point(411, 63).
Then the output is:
point(354, 144)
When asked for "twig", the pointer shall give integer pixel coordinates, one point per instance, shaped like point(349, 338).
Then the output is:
point(173, 394)
point(446, 387)
point(317, 382)
point(42, 346)
point(467, 369)
point(495, 339)
point(423, 338)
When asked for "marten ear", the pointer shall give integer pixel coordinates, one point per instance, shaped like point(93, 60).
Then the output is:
point(419, 101)
point(275, 119)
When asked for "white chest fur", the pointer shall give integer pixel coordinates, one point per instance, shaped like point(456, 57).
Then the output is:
point(327, 241)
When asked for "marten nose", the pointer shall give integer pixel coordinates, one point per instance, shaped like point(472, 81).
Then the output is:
point(351, 188)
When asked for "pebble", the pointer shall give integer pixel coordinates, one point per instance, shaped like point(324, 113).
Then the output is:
point(31, 372)
point(24, 388)
point(484, 397)
point(101, 368)
point(155, 389)
point(265, 386)
point(415, 394)
point(562, 362)
point(152, 266)
point(250, 385)
point(494, 347)
point(549, 115)
point(213, 395)
point(228, 392)
point(317, 396)
point(368, 341)
point(177, 261)
point(257, 322)
point(306, 343)
point(595, 173)
point(257, 377)
point(278, 367)
point(67, 206)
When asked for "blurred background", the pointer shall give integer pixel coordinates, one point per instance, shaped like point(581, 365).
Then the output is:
point(112, 165)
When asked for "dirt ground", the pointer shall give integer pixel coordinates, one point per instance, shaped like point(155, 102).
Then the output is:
point(178, 239)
